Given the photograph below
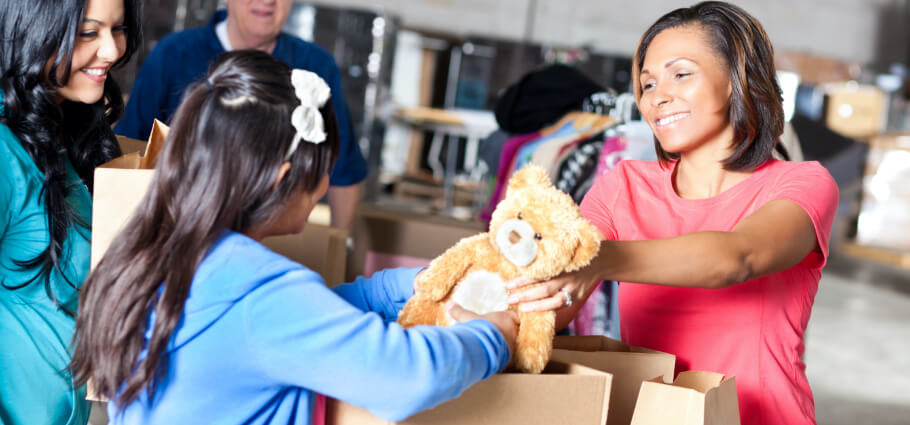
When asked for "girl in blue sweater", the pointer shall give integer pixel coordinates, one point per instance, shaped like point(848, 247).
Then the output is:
point(189, 319)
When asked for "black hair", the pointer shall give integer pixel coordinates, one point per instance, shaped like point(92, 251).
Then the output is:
point(217, 171)
point(36, 48)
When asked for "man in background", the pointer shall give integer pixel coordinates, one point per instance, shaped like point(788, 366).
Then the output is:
point(183, 58)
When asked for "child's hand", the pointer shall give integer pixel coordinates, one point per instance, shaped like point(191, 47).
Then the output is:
point(505, 321)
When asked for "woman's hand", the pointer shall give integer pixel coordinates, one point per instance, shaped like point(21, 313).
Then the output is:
point(560, 292)
point(505, 321)
point(564, 294)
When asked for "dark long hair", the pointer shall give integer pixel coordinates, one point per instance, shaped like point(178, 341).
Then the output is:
point(31, 35)
point(217, 169)
point(756, 105)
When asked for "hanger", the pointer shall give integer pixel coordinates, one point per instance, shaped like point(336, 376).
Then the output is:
point(571, 116)
point(622, 109)
point(599, 111)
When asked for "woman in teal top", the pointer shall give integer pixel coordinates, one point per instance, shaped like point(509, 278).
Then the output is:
point(57, 105)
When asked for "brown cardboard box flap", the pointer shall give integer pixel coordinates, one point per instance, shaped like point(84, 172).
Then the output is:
point(629, 365)
point(595, 343)
point(156, 142)
point(131, 148)
point(562, 394)
point(128, 145)
point(695, 398)
point(698, 380)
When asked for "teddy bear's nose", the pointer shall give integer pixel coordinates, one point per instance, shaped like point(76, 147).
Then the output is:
point(514, 237)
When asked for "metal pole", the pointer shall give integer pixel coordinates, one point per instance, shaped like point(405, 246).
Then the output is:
point(180, 15)
point(529, 19)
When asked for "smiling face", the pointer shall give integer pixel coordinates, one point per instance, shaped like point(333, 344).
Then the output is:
point(257, 22)
point(100, 42)
point(685, 92)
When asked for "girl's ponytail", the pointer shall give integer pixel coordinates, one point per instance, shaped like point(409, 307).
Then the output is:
point(216, 172)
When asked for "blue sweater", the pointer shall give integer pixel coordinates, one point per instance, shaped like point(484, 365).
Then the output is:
point(183, 58)
point(260, 334)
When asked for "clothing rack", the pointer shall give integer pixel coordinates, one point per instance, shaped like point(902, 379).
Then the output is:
point(620, 106)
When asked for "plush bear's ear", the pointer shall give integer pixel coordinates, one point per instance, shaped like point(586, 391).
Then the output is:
point(588, 245)
point(528, 176)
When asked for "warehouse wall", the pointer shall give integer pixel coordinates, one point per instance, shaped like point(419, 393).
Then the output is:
point(844, 29)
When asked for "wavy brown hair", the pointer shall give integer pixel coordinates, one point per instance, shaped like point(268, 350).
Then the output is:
point(756, 109)
point(216, 172)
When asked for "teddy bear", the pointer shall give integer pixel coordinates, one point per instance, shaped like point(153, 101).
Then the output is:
point(536, 231)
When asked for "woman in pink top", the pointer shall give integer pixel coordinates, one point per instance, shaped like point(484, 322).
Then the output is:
point(725, 243)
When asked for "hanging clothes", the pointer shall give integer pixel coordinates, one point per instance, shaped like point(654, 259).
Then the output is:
point(630, 140)
point(566, 134)
point(520, 150)
point(599, 315)
point(547, 153)
point(509, 149)
point(579, 165)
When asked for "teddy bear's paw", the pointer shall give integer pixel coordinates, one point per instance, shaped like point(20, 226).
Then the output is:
point(530, 362)
point(535, 340)
point(481, 292)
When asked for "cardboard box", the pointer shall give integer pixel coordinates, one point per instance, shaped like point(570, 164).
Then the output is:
point(630, 366)
point(128, 145)
point(855, 111)
point(120, 186)
point(695, 398)
point(884, 219)
point(399, 231)
point(564, 393)
point(321, 248)
point(815, 69)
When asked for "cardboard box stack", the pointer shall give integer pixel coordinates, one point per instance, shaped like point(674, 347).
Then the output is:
point(590, 380)
point(815, 69)
point(630, 366)
point(884, 219)
point(854, 110)
point(564, 393)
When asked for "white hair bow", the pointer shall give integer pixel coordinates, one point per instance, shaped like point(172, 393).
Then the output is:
point(313, 92)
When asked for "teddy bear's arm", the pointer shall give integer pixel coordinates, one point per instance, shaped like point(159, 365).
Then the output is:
point(449, 268)
point(588, 245)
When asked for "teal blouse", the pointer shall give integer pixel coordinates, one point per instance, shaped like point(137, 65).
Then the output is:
point(35, 335)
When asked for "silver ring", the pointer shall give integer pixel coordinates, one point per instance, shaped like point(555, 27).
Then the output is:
point(565, 292)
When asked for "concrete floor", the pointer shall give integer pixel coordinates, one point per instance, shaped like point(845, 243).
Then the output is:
point(858, 345)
